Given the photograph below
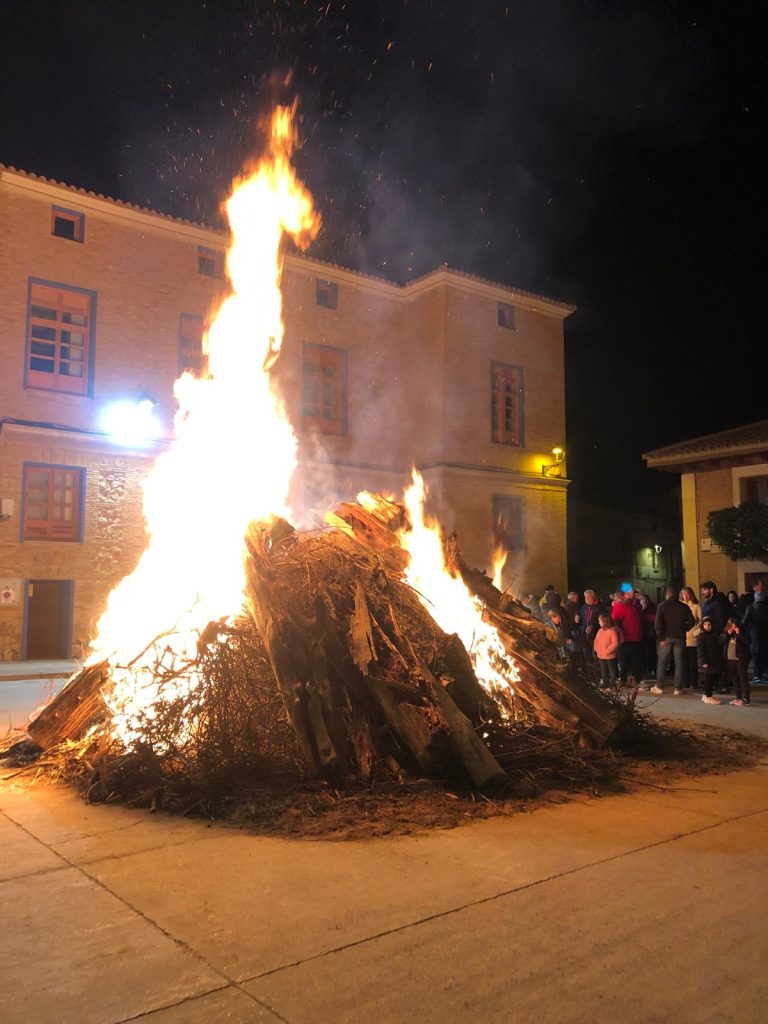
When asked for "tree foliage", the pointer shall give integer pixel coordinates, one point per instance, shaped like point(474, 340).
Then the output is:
point(741, 531)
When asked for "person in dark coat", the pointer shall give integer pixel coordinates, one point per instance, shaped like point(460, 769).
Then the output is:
point(714, 605)
point(710, 659)
point(589, 622)
point(736, 655)
point(756, 628)
point(551, 599)
point(673, 620)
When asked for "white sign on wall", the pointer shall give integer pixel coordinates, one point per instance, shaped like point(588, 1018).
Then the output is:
point(10, 592)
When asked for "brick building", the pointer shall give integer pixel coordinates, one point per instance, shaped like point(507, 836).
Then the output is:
point(102, 301)
point(717, 471)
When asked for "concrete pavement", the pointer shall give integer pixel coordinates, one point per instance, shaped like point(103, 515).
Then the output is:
point(645, 907)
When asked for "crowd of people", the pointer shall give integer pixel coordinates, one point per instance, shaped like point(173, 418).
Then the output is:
point(715, 643)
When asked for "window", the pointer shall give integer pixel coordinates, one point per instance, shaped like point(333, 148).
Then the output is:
point(508, 522)
point(67, 224)
point(327, 294)
point(324, 389)
point(506, 315)
point(191, 344)
point(59, 337)
point(210, 262)
point(53, 502)
point(756, 489)
point(506, 404)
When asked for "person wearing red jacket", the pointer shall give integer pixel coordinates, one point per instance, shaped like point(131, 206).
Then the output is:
point(627, 615)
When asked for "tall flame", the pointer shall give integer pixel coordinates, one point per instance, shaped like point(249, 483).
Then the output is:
point(447, 598)
point(202, 494)
point(498, 561)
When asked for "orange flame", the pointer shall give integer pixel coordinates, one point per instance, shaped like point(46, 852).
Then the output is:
point(498, 561)
point(447, 598)
point(201, 494)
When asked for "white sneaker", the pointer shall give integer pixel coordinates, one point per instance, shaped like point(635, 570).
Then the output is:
point(678, 692)
point(710, 700)
point(656, 689)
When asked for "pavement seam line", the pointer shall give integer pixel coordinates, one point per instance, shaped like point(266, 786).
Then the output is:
point(500, 895)
point(192, 999)
point(230, 982)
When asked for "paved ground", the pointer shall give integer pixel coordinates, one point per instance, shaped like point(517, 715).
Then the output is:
point(647, 907)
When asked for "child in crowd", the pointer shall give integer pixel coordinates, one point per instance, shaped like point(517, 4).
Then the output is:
point(555, 628)
point(606, 645)
point(736, 654)
point(710, 659)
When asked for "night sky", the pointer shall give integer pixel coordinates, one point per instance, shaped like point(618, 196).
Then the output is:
point(608, 154)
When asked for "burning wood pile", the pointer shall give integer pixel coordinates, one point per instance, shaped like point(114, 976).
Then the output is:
point(371, 686)
point(366, 649)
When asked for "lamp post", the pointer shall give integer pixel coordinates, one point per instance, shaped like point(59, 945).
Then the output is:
point(558, 454)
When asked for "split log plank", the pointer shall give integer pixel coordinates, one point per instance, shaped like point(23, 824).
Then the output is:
point(76, 707)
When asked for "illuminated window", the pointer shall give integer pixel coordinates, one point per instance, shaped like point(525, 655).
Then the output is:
point(67, 224)
point(53, 501)
point(191, 343)
point(324, 389)
point(506, 315)
point(59, 337)
point(210, 262)
point(508, 522)
point(327, 294)
point(507, 422)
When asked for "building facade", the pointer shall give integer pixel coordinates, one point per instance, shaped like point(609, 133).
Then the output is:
point(608, 546)
point(717, 471)
point(104, 302)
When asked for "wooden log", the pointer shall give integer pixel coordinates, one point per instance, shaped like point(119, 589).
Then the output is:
point(460, 680)
point(482, 766)
point(559, 697)
point(292, 663)
point(484, 770)
point(78, 705)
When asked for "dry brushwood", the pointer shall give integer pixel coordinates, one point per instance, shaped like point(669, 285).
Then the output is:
point(338, 670)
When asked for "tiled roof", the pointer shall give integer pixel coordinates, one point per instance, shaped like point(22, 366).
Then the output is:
point(207, 227)
point(751, 436)
point(105, 199)
point(495, 284)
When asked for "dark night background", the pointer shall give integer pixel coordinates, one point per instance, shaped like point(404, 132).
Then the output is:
point(609, 154)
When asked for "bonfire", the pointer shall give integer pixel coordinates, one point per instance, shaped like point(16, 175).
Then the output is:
point(359, 649)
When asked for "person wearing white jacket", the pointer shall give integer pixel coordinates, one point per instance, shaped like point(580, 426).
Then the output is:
point(691, 667)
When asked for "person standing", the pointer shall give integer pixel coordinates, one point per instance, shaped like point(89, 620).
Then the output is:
point(691, 664)
point(736, 654)
point(551, 599)
point(531, 602)
point(756, 628)
point(714, 605)
point(710, 659)
point(627, 616)
point(571, 616)
point(648, 611)
point(673, 620)
point(589, 622)
point(606, 645)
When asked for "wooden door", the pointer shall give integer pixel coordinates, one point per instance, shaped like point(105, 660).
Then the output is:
point(49, 620)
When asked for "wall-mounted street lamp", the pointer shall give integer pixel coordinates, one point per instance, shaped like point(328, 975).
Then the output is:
point(558, 455)
point(657, 548)
point(131, 423)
